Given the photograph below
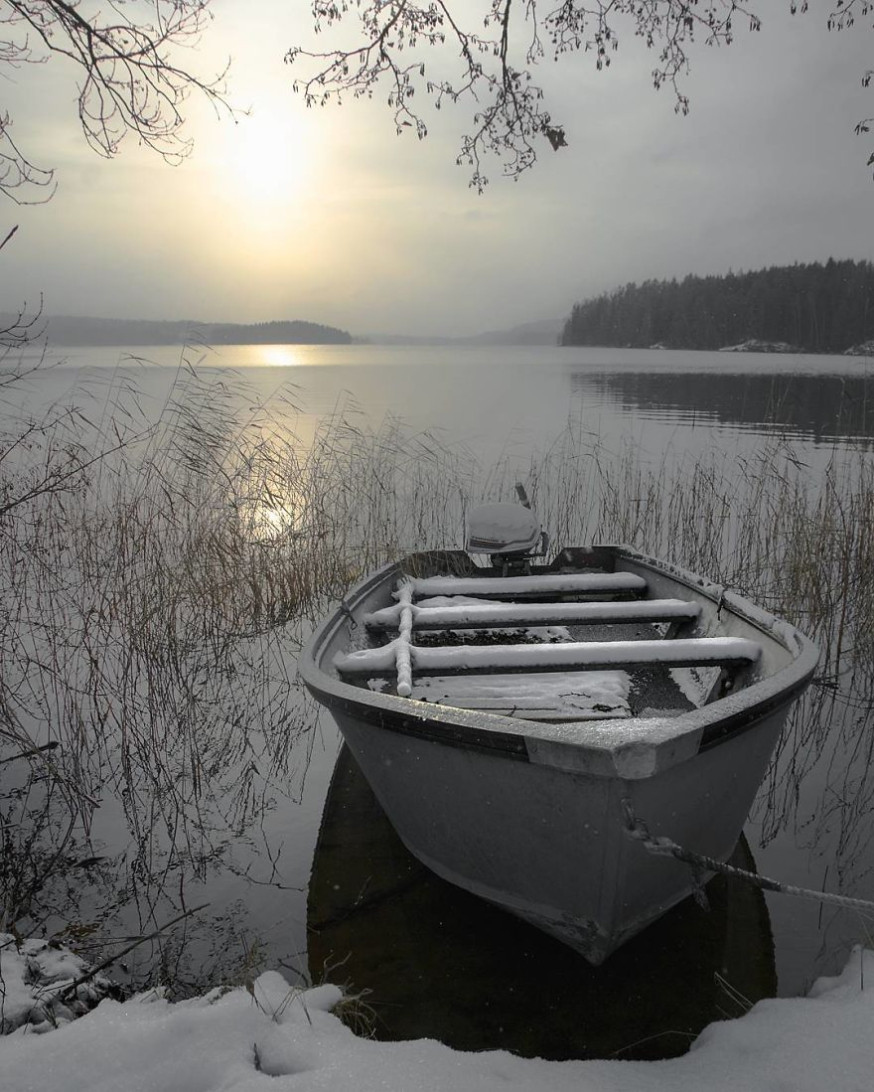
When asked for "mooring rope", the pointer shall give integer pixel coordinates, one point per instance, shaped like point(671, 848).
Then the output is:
point(700, 863)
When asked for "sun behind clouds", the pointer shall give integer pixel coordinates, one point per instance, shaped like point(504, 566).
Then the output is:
point(264, 167)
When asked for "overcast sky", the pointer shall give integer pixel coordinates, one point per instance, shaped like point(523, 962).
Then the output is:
point(328, 215)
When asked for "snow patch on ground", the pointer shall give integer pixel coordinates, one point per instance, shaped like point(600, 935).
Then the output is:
point(272, 1036)
point(35, 986)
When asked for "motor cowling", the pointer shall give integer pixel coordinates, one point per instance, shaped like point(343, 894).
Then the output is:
point(502, 530)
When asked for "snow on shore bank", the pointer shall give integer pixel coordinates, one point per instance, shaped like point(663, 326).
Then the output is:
point(278, 1039)
point(35, 978)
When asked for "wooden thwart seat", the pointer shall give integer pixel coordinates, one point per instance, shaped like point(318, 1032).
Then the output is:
point(690, 652)
point(498, 615)
point(508, 587)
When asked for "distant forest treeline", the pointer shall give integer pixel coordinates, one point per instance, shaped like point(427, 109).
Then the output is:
point(72, 330)
point(817, 308)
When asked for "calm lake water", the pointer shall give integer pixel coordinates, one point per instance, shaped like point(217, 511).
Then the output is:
point(514, 399)
point(812, 824)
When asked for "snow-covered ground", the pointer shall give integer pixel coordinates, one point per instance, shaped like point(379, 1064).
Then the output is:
point(270, 1036)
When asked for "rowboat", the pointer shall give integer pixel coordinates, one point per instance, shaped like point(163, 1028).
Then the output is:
point(520, 721)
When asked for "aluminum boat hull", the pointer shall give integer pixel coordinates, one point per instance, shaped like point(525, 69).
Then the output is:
point(534, 816)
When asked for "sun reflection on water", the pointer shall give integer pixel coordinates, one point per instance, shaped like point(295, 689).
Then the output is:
point(270, 519)
point(278, 356)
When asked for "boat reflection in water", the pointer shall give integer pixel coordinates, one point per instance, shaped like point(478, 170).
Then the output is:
point(443, 964)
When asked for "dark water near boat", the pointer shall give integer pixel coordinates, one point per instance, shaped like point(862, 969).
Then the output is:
point(444, 962)
point(439, 963)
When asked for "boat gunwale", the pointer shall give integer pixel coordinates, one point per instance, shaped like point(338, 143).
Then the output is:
point(633, 747)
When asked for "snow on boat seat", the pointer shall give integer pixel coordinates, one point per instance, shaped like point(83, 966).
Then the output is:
point(504, 587)
point(689, 652)
point(447, 615)
point(466, 609)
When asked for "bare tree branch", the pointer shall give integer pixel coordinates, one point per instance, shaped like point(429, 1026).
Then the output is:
point(399, 39)
point(131, 81)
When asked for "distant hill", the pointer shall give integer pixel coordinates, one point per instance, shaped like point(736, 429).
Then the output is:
point(545, 332)
point(73, 330)
point(818, 308)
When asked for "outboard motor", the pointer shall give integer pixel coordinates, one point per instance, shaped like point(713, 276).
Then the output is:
point(508, 533)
